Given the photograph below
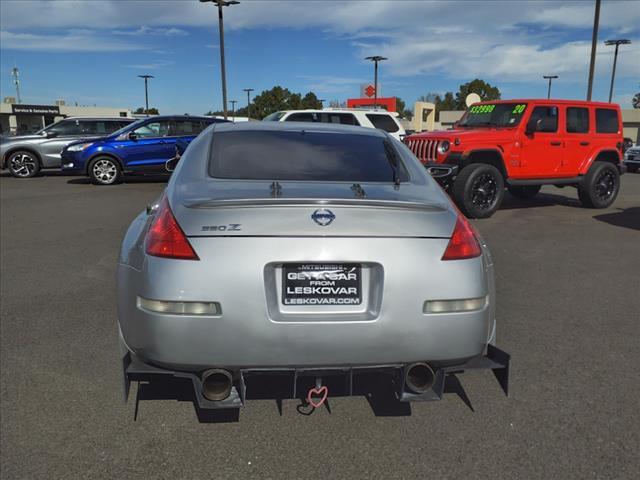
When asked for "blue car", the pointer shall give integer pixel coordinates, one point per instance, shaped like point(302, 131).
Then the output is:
point(143, 147)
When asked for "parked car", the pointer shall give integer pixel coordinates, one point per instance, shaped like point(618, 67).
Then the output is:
point(140, 148)
point(26, 155)
point(279, 249)
point(524, 144)
point(632, 159)
point(370, 118)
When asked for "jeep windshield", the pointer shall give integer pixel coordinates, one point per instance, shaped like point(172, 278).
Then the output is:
point(304, 156)
point(493, 115)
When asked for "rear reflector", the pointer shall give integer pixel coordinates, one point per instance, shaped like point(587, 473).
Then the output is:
point(452, 306)
point(165, 238)
point(463, 243)
point(179, 308)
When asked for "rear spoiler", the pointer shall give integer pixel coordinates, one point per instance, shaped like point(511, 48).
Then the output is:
point(302, 202)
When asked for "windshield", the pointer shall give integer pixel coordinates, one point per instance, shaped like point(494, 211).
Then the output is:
point(304, 155)
point(493, 115)
point(274, 117)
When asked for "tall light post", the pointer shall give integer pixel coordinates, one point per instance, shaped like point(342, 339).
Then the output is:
point(375, 59)
point(233, 109)
point(321, 100)
point(15, 73)
point(248, 90)
point(549, 77)
point(222, 3)
point(594, 43)
point(617, 43)
point(146, 92)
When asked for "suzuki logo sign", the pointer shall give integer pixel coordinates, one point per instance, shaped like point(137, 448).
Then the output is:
point(368, 90)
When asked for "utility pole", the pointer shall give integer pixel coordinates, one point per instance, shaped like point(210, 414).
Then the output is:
point(248, 90)
point(233, 109)
point(594, 43)
point(146, 92)
point(15, 73)
point(549, 77)
point(222, 3)
point(375, 59)
point(617, 43)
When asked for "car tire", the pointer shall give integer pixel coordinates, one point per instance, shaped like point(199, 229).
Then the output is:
point(524, 192)
point(23, 164)
point(600, 186)
point(478, 190)
point(105, 171)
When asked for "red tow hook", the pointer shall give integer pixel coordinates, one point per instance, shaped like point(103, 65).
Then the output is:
point(318, 395)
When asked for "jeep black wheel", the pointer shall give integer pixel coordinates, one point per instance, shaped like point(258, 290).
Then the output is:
point(23, 164)
point(478, 190)
point(600, 185)
point(525, 192)
point(105, 171)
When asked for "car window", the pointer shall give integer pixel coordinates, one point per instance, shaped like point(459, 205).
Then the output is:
point(545, 112)
point(274, 117)
point(97, 127)
point(65, 127)
point(184, 128)
point(577, 120)
point(606, 120)
point(305, 156)
point(383, 122)
point(303, 117)
point(153, 129)
point(342, 118)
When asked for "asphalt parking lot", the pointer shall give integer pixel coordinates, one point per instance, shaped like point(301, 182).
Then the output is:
point(568, 310)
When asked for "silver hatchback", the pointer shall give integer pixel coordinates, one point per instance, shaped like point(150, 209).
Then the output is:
point(310, 252)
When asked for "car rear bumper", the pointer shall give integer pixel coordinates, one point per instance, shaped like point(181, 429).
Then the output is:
point(294, 383)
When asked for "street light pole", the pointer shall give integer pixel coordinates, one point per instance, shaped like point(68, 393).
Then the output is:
point(321, 100)
point(375, 59)
point(617, 43)
point(594, 42)
point(146, 92)
point(550, 77)
point(233, 109)
point(222, 3)
point(248, 90)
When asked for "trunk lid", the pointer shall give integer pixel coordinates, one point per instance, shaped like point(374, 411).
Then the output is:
point(310, 209)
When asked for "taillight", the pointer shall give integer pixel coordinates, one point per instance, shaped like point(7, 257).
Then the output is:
point(463, 243)
point(166, 239)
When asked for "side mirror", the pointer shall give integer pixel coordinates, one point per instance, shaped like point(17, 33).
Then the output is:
point(51, 134)
point(133, 136)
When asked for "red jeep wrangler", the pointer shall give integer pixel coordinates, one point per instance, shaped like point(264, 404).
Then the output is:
point(523, 144)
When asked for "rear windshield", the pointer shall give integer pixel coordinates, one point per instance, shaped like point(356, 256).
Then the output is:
point(303, 155)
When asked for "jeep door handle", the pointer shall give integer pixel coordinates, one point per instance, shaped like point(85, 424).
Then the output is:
point(556, 144)
point(584, 144)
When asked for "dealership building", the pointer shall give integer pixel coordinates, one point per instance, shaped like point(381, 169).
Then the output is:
point(20, 118)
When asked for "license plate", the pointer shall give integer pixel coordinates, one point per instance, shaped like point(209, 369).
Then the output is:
point(321, 284)
point(630, 157)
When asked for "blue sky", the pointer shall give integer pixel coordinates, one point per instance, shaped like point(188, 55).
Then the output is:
point(90, 52)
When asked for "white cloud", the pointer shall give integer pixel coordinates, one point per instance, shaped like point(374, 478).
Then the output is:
point(145, 30)
point(73, 41)
point(151, 65)
point(506, 41)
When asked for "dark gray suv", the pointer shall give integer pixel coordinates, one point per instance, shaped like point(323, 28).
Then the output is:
point(26, 155)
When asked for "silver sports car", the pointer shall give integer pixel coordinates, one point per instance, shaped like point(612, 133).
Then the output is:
point(309, 253)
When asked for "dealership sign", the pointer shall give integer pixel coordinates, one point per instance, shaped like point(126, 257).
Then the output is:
point(36, 109)
point(368, 90)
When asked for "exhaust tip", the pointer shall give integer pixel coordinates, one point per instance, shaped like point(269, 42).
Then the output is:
point(419, 377)
point(216, 384)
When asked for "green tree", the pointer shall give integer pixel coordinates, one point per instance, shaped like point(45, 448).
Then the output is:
point(310, 100)
point(482, 88)
point(152, 111)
